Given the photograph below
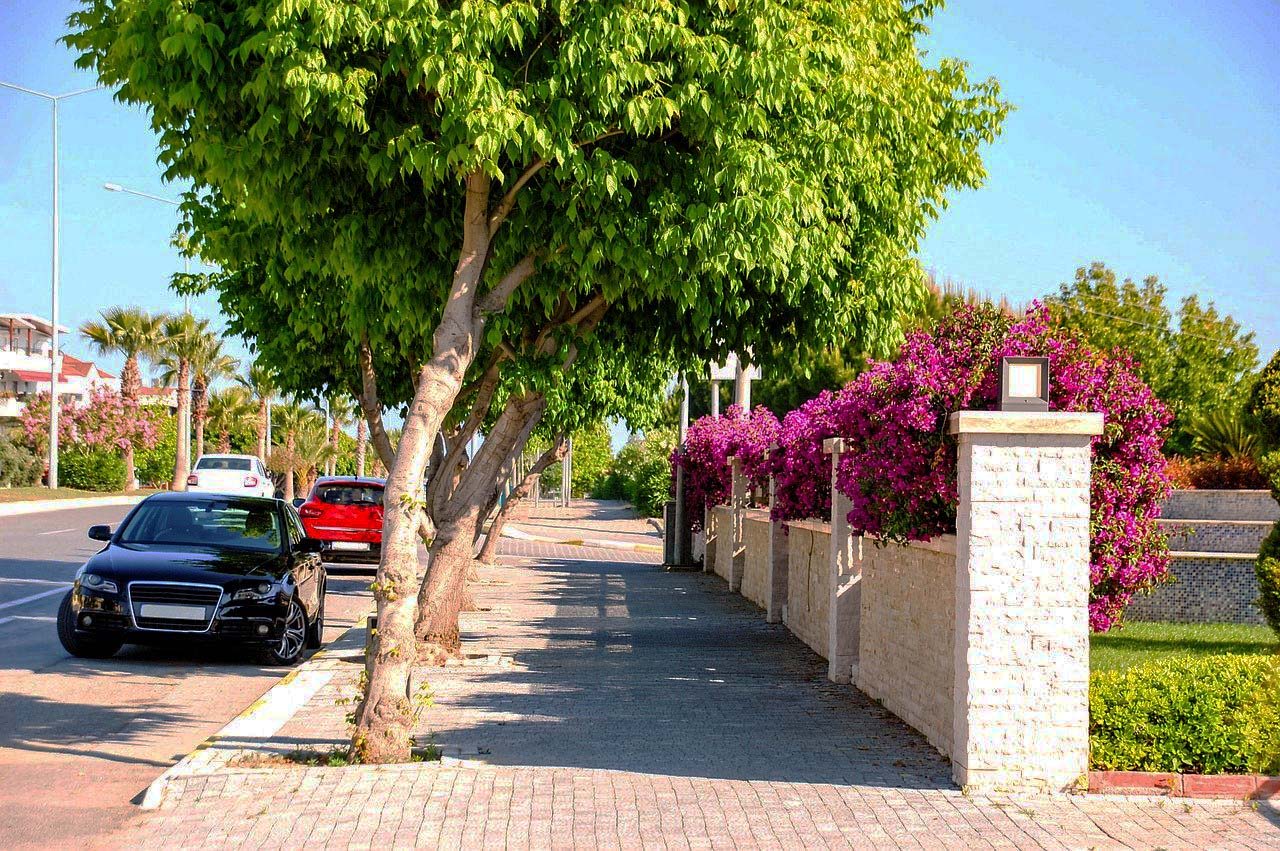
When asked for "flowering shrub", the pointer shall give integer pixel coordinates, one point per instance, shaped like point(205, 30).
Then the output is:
point(900, 472)
point(106, 422)
point(711, 442)
point(801, 468)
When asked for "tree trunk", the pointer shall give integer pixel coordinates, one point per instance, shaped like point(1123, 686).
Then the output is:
point(331, 466)
point(130, 384)
point(362, 445)
point(262, 429)
point(288, 470)
point(521, 491)
point(182, 457)
point(440, 597)
point(200, 405)
point(224, 441)
point(384, 719)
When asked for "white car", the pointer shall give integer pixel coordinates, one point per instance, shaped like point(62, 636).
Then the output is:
point(241, 475)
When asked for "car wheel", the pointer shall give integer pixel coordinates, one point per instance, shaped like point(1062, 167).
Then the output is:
point(287, 649)
point(315, 633)
point(83, 646)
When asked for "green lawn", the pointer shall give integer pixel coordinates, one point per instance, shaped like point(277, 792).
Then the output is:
point(29, 494)
point(1141, 642)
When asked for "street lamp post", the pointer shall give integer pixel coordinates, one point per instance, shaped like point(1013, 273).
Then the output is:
point(185, 424)
point(186, 260)
point(53, 100)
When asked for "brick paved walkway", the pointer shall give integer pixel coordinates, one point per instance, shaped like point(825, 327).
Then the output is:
point(648, 709)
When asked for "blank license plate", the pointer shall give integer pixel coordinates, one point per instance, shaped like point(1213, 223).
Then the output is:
point(175, 613)
point(349, 545)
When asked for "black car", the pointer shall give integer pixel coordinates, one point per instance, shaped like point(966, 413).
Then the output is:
point(199, 567)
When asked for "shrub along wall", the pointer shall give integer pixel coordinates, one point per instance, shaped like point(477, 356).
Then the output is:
point(1204, 715)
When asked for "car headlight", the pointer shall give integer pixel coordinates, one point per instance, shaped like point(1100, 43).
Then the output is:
point(94, 582)
point(261, 591)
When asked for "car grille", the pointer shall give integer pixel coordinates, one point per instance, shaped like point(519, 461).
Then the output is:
point(173, 594)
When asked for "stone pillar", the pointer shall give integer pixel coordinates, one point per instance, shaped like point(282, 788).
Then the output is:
point(846, 578)
point(775, 583)
point(737, 547)
point(709, 536)
point(1022, 591)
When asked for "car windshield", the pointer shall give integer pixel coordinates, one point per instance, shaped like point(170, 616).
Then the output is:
point(235, 524)
point(238, 464)
point(349, 494)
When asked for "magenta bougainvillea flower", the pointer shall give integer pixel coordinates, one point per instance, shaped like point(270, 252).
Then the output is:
point(900, 469)
point(709, 445)
point(900, 475)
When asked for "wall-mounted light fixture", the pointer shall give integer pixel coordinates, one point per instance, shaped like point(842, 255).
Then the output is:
point(1024, 384)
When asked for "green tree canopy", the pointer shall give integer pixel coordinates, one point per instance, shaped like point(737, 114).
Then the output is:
point(455, 198)
point(1198, 363)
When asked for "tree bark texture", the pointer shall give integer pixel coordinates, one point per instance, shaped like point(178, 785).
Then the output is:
point(384, 719)
point(130, 386)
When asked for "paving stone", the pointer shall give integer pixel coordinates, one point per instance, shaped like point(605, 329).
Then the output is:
point(646, 709)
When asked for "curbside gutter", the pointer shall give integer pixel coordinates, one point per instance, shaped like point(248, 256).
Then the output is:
point(510, 531)
point(1241, 787)
point(37, 506)
point(261, 720)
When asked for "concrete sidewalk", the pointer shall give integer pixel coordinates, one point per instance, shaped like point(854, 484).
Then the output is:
point(608, 703)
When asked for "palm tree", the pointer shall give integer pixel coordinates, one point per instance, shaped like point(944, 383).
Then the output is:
point(291, 424)
point(261, 382)
point(230, 409)
point(180, 345)
point(341, 411)
point(134, 333)
point(209, 365)
point(362, 444)
point(312, 451)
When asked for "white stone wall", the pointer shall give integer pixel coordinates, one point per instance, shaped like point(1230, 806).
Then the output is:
point(808, 582)
point(755, 541)
point(1022, 591)
point(906, 657)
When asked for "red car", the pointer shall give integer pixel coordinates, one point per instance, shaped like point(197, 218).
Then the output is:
point(345, 514)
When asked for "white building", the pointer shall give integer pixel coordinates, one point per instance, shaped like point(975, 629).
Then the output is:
point(25, 347)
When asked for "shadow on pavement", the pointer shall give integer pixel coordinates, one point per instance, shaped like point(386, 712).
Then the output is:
point(647, 671)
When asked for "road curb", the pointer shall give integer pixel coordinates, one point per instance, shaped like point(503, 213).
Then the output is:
point(510, 531)
point(39, 506)
point(259, 721)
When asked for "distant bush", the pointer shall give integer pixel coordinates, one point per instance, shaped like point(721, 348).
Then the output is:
point(1213, 473)
point(641, 473)
point(91, 470)
point(19, 466)
point(1206, 715)
point(154, 466)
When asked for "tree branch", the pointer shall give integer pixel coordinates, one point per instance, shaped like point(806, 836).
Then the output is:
point(371, 407)
point(508, 201)
point(440, 486)
point(496, 299)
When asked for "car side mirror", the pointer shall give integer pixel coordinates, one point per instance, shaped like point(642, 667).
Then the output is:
point(309, 545)
point(100, 533)
point(297, 503)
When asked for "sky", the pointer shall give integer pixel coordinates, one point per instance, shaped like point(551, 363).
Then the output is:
point(1146, 135)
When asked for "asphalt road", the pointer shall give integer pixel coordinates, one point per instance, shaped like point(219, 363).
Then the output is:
point(80, 739)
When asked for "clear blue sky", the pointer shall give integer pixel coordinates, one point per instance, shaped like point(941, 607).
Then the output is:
point(1147, 135)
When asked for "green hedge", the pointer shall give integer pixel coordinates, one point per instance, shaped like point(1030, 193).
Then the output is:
point(1206, 715)
point(91, 470)
point(19, 466)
